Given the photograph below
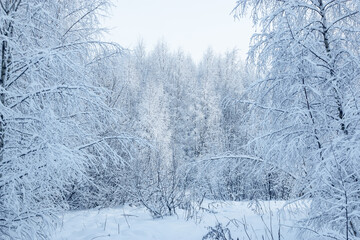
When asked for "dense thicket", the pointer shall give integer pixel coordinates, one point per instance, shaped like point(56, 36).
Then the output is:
point(192, 130)
point(182, 114)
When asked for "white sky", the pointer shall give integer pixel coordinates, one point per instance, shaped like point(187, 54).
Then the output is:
point(192, 25)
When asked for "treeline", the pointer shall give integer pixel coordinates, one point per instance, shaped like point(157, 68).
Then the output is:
point(188, 129)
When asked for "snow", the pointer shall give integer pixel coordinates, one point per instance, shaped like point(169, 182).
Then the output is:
point(135, 223)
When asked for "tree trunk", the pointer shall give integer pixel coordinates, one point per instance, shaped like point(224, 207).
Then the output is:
point(2, 96)
point(325, 33)
point(6, 31)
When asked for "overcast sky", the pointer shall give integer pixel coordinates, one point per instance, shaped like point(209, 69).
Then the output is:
point(193, 25)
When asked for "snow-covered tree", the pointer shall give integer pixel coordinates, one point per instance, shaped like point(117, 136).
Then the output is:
point(209, 132)
point(54, 119)
point(308, 52)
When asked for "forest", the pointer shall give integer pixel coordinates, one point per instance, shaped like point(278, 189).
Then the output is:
point(88, 124)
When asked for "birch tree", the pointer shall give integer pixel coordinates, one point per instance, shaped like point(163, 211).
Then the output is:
point(308, 52)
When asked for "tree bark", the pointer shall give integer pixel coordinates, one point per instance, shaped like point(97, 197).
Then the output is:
point(2, 97)
point(325, 33)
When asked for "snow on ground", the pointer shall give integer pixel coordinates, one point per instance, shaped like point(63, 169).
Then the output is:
point(134, 223)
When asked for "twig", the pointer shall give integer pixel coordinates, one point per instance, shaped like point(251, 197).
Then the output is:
point(105, 223)
point(125, 216)
point(100, 236)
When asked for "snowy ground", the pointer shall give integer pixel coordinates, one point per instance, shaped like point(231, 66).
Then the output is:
point(131, 223)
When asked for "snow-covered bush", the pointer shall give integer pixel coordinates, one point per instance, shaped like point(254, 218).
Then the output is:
point(219, 232)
